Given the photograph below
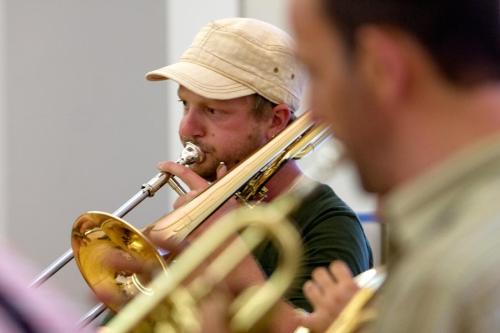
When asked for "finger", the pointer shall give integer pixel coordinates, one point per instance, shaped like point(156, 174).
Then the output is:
point(313, 294)
point(323, 300)
point(316, 321)
point(185, 198)
point(340, 271)
point(345, 282)
point(188, 176)
point(120, 260)
point(169, 247)
point(221, 170)
point(214, 310)
point(323, 279)
point(333, 295)
point(108, 295)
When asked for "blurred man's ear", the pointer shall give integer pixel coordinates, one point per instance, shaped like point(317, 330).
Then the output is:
point(281, 115)
point(382, 64)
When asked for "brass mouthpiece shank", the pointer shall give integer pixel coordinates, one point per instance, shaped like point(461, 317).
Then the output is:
point(191, 154)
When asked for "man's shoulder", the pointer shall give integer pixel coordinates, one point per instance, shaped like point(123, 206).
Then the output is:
point(325, 199)
point(325, 208)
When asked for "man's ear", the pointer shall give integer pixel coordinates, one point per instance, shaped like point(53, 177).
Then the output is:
point(281, 115)
point(383, 65)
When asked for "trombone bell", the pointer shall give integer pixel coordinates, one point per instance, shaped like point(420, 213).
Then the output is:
point(190, 154)
point(94, 238)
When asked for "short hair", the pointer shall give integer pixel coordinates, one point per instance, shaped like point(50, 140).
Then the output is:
point(462, 36)
point(263, 106)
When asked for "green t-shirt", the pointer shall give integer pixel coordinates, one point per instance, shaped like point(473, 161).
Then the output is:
point(330, 230)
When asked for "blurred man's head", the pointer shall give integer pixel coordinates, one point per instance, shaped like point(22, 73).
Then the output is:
point(379, 69)
point(239, 85)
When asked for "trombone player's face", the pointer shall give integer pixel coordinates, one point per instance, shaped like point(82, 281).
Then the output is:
point(225, 130)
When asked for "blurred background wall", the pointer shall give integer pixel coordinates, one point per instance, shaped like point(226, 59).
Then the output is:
point(80, 128)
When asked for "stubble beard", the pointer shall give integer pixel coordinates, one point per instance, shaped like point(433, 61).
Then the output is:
point(231, 157)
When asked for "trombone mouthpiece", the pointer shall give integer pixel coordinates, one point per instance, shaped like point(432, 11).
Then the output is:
point(191, 154)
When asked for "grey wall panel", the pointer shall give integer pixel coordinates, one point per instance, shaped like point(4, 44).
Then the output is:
point(84, 129)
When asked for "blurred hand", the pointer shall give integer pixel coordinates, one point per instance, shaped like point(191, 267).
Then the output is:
point(214, 310)
point(328, 291)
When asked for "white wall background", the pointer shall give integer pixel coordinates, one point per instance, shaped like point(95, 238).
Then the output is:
point(80, 128)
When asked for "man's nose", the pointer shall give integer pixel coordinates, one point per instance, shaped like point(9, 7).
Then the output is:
point(191, 124)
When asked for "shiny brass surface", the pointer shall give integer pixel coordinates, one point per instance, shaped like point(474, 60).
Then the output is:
point(173, 307)
point(96, 236)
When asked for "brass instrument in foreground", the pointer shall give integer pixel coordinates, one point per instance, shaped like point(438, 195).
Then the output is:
point(174, 304)
point(95, 234)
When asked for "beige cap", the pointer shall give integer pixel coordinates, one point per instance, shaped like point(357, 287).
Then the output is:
point(236, 57)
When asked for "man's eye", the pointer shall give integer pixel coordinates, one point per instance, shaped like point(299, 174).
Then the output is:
point(183, 102)
point(211, 111)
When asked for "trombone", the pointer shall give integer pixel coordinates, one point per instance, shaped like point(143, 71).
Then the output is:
point(190, 154)
point(173, 305)
point(97, 231)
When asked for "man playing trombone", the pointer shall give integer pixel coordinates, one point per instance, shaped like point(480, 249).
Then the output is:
point(240, 86)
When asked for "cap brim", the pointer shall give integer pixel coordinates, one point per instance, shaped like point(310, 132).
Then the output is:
point(201, 80)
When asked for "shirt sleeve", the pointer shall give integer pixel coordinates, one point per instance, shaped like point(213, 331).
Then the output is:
point(330, 231)
point(333, 237)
